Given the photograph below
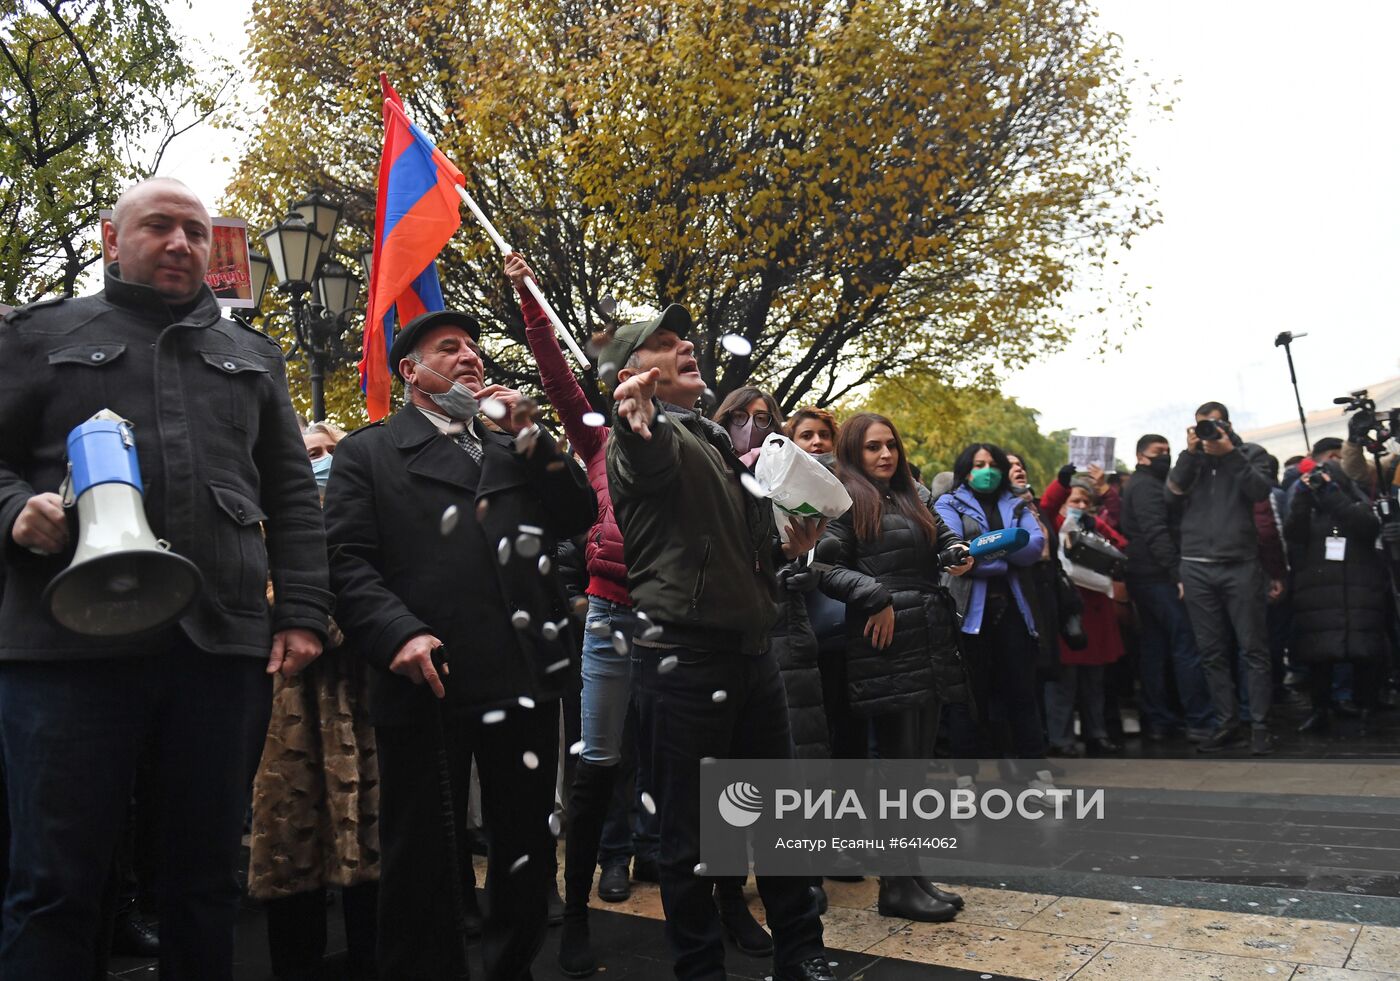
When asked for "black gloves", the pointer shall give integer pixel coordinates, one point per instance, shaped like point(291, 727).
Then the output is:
point(797, 578)
point(1066, 472)
point(1359, 427)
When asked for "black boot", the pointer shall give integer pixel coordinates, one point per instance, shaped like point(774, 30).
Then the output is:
point(942, 895)
point(588, 810)
point(901, 896)
point(1319, 721)
point(132, 936)
point(746, 932)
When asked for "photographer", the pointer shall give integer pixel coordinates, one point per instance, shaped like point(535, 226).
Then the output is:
point(1340, 598)
point(1217, 480)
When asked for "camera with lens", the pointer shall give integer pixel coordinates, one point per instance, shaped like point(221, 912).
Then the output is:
point(1210, 429)
point(1314, 479)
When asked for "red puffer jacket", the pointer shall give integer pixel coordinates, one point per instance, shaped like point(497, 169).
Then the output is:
point(1100, 613)
point(607, 571)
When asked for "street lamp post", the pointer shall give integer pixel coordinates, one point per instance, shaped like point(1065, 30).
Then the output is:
point(319, 290)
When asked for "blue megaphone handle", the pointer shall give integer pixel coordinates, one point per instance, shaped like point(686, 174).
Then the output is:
point(997, 544)
point(102, 451)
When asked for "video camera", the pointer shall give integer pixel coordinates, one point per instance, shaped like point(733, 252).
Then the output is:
point(1366, 427)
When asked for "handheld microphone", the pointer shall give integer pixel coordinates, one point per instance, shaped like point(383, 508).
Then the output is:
point(999, 544)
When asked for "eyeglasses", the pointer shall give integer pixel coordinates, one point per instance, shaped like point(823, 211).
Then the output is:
point(737, 417)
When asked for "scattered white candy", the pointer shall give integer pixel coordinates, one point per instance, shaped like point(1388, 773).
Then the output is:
point(667, 663)
point(550, 631)
point(558, 665)
point(594, 419)
point(503, 551)
point(544, 565)
point(648, 803)
point(495, 409)
point(520, 619)
point(719, 696)
point(554, 826)
point(619, 642)
point(736, 345)
point(526, 702)
point(701, 868)
point(1291, 900)
point(576, 748)
point(752, 485)
point(449, 520)
point(493, 716)
point(527, 545)
point(519, 863)
point(532, 762)
point(1251, 904)
point(1138, 888)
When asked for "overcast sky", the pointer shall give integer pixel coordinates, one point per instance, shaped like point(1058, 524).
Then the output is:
point(1276, 178)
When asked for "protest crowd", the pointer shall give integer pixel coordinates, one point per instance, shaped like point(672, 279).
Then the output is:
point(478, 627)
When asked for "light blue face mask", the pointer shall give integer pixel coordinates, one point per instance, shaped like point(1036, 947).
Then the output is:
point(321, 470)
point(457, 403)
point(1074, 514)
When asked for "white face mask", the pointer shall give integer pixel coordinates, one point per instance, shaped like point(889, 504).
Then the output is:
point(457, 403)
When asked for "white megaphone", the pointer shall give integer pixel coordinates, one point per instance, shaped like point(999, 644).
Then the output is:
point(122, 580)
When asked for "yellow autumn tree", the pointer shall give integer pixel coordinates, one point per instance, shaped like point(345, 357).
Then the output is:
point(858, 189)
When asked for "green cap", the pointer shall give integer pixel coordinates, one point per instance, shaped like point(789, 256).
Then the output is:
point(627, 338)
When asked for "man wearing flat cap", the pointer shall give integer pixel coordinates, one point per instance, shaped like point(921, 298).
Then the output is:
point(701, 553)
point(439, 526)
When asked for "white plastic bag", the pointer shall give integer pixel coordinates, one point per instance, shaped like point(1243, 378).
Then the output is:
point(797, 484)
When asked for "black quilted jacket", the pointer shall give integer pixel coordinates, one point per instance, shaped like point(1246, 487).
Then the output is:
point(900, 567)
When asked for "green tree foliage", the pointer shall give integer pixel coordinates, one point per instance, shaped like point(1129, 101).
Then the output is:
point(856, 188)
point(936, 421)
point(91, 94)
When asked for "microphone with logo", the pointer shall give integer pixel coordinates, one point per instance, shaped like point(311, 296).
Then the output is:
point(986, 547)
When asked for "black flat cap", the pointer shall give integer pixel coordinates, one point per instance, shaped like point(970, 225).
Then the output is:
point(409, 335)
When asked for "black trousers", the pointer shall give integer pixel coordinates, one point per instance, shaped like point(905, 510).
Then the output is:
point(418, 931)
point(1001, 672)
point(685, 725)
point(1227, 603)
point(73, 733)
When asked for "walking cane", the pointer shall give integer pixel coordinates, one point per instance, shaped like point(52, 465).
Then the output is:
point(449, 822)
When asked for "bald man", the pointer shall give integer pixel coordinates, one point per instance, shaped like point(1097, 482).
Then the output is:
point(228, 485)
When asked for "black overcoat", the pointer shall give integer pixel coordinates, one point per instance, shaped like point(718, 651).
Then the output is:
point(1340, 608)
point(399, 570)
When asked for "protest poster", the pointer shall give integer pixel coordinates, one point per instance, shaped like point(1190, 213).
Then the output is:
point(1086, 451)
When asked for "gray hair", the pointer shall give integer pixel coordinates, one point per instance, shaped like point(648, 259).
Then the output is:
point(325, 428)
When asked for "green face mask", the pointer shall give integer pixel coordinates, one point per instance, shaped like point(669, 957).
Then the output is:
point(984, 480)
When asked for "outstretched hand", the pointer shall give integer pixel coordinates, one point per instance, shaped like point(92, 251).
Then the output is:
point(635, 403)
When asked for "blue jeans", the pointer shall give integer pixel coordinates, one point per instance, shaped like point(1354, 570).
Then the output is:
point(1168, 644)
point(73, 733)
point(607, 686)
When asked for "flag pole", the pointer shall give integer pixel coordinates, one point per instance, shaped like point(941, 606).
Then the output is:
point(530, 283)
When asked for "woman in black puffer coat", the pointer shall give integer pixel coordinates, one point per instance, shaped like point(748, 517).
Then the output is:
point(902, 657)
point(1340, 605)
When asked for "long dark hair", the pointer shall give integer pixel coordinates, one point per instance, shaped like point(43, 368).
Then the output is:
point(867, 500)
point(963, 466)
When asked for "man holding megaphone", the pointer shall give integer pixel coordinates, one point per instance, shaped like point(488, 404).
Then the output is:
point(138, 616)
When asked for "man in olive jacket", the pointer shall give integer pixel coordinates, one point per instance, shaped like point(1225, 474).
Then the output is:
point(700, 564)
point(228, 484)
point(440, 532)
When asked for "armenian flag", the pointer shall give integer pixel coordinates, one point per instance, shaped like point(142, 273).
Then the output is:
point(416, 213)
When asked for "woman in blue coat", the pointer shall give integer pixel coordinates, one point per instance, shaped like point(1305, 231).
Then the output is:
point(998, 631)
